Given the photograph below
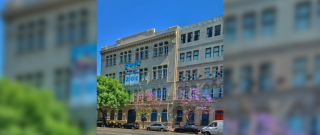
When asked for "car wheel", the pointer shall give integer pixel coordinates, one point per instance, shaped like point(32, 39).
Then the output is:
point(132, 128)
point(206, 133)
point(161, 129)
point(196, 132)
point(148, 129)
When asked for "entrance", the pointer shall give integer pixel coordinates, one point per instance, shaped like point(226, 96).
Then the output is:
point(219, 115)
point(205, 119)
point(131, 116)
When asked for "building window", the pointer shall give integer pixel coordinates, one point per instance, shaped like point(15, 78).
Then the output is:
point(230, 27)
point(248, 26)
point(110, 62)
point(155, 52)
point(166, 50)
point(299, 72)
point(317, 71)
point(206, 72)
point(222, 50)
point(159, 94)
point(268, 22)
point(180, 76)
point(182, 57)
point(221, 71)
point(188, 75)
point(265, 77)
point(194, 74)
point(217, 30)
point(190, 37)
point(186, 93)
point(154, 75)
point(196, 35)
point(214, 93)
point(188, 56)
point(112, 115)
point(208, 52)
point(129, 57)
point(160, 51)
point(141, 76)
point(214, 72)
point(303, 16)
point(195, 55)
point(159, 74)
point(164, 94)
point(120, 77)
point(165, 71)
point(161, 44)
point(137, 56)
point(245, 82)
point(146, 53)
point(205, 92)
point(114, 61)
point(125, 58)
point(121, 59)
point(145, 74)
point(164, 117)
point(216, 51)
point(141, 55)
point(120, 115)
point(209, 32)
point(107, 62)
point(221, 93)
point(183, 38)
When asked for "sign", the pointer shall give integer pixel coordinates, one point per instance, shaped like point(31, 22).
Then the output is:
point(137, 68)
point(127, 80)
point(136, 80)
point(132, 68)
point(128, 69)
point(132, 79)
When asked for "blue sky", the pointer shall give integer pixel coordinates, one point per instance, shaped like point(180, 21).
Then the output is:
point(2, 2)
point(121, 18)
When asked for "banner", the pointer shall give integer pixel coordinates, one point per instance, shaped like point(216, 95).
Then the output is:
point(137, 69)
point(127, 80)
point(136, 80)
point(132, 68)
point(128, 69)
point(132, 79)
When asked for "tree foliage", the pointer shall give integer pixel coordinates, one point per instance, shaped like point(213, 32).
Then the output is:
point(110, 93)
point(25, 110)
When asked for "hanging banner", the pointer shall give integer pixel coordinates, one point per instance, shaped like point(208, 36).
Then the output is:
point(137, 69)
point(132, 68)
point(136, 80)
point(132, 79)
point(127, 80)
point(128, 69)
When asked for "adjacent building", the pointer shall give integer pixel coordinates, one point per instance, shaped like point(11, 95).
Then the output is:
point(177, 58)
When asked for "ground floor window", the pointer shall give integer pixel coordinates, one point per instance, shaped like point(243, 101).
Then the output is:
point(154, 115)
point(164, 117)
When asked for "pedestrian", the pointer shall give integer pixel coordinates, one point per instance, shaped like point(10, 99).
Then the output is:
point(180, 124)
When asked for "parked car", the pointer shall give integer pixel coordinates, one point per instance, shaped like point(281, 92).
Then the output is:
point(100, 123)
point(158, 126)
point(187, 128)
point(113, 124)
point(214, 128)
point(131, 125)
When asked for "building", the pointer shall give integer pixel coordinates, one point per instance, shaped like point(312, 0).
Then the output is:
point(39, 37)
point(272, 66)
point(171, 59)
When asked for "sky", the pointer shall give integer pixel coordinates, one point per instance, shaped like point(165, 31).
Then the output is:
point(121, 18)
point(2, 2)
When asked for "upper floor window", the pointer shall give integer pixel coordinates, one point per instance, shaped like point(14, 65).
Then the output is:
point(182, 57)
point(221, 71)
point(183, 38)
point(190, 37)
point(206, 72)
point(209, 32)
point(208, 52)
point(166, 42)
point(166, 49)
point(268, 22)
point(222, 50)
point(299, 72)
point(180, 76)
point(194, 74)
point(216, 51)
point(214, 72)
point(155, 52)
point(188, 75)
point(196, 35)
point(217, 30)
point(188, 56)
point(230, 27)
point(265, 76)
point(195, 55)
point(303, 15)
point(317, 71)
point(248, 26)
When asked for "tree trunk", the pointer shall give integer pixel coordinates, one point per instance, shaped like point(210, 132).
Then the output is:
point(143, 124)
point(103, 116)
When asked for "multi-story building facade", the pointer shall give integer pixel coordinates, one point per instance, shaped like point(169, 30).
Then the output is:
point(177, 58)
point(39, 37)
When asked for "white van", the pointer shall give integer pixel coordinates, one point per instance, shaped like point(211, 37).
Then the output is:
point(214, 128)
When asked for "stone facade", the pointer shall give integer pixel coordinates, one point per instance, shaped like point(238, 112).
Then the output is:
point(150, 41)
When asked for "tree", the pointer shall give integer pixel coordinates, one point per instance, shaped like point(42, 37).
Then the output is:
point(194, 103)
point(144, 103)
point(110, 93)
point(25, 110)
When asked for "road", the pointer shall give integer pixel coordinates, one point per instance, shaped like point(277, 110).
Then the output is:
point(120, 131)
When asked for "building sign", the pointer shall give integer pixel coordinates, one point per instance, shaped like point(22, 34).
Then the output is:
point(132, 75)
point(132, 79)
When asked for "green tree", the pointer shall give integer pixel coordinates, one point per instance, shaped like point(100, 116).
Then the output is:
point(25, 110)
point(110, 93)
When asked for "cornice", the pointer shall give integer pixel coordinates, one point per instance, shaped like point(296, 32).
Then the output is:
point(136, 43)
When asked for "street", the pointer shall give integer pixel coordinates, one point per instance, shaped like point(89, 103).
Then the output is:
point(120, 131)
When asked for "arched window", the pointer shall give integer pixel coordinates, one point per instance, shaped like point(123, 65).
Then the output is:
point(164, 94)
point(120, 115)
point(105, 114)
point(214, 91)
point(220, 92)
point(186, 93)
point(112, 115)
point(159, 94)
point(164, 117)
point(205, 91)
point(154, 115)
point(154, 92)
point(179, 93)
point(135, 95)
